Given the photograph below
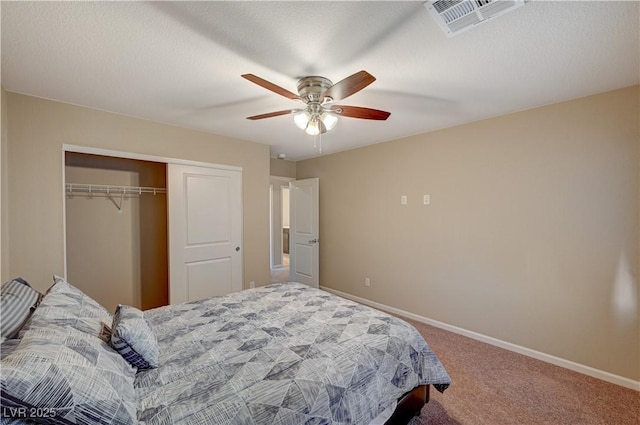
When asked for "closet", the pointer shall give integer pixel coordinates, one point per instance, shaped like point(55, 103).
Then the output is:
point(116, 229)
point(149, 231)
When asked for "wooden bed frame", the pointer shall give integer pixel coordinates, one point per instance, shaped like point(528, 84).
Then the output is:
point(409, 406)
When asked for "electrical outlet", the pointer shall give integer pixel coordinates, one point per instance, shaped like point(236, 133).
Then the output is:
point(403, 200)
point(367, 281)
point(426, 199)
point(252, 284)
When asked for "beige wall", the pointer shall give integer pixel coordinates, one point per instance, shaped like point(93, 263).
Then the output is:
point(283, 168)
point(531, 237)
point(38, 129)
point(4, 190)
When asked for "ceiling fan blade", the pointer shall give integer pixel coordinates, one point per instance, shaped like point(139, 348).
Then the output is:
point(359, 112)
point(348, 86)
point(270, 86)
point(274, 114)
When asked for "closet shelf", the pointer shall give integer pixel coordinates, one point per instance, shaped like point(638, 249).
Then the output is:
point(72, 188)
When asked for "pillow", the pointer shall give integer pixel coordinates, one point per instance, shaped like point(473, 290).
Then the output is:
point(66, 377)
point(17, 301)
point(15, 421)
point(65, 305)
point(7, 346)
point(132, 337)
point(61, 286)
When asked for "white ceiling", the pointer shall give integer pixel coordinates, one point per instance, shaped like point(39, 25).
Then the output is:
point(180, 62)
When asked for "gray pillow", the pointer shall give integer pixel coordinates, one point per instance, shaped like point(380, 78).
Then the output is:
point(67, 377)
point(65, 305)
point(132, 337)
point(17, 301)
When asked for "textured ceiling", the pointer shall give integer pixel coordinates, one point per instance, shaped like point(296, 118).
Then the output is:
point(180, 62)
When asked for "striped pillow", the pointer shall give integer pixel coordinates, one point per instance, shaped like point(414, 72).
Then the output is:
point(7, 347)
point(17, 301)
point(132, 337)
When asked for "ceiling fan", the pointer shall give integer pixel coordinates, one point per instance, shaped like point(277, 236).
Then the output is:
point(318, 93)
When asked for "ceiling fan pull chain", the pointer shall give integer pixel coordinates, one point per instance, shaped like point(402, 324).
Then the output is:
point(317, 142)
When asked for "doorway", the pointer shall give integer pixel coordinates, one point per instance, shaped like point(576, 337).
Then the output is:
point(279, 232)
point(294, 206)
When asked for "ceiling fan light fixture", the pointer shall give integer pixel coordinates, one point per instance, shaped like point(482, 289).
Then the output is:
point(301, 119)
point(314, 124)
point(315, 127)
point(329, 120)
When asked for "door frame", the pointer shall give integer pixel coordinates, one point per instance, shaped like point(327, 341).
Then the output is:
point(129, 155)
point(275, 227)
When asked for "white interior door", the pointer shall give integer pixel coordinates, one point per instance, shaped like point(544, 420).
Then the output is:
point(205, 232)
point(304, 231)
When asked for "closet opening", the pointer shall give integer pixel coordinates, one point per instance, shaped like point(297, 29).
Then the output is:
point(116, 229)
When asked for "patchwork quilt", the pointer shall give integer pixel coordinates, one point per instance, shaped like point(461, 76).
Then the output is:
point(282, 354)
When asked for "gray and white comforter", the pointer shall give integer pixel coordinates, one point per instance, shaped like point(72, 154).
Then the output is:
point(282, 354)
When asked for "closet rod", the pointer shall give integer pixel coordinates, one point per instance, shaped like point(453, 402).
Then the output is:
point(111, 189)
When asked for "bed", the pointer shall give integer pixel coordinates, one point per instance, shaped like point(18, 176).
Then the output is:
point(282, 354)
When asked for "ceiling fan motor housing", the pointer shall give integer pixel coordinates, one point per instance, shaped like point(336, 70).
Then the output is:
point(311, 88)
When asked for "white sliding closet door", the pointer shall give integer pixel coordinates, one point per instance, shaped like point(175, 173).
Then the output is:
point(205, 232)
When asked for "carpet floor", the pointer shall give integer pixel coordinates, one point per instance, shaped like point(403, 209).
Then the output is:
point(491, 385)
point(280, 274)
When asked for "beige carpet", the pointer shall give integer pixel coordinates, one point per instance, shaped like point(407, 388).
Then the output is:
point(281, 274)
point(494, 386)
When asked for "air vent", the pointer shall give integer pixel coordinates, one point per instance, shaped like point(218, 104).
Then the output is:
point(456, 16)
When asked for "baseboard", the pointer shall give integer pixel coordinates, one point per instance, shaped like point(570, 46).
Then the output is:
point(576, 367)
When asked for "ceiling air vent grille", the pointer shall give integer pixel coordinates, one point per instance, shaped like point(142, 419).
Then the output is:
point(456, 16)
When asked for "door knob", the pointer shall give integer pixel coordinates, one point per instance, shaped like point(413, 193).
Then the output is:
point(237, 248)
point(312, 241)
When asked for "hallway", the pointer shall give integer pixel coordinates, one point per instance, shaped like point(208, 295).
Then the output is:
point(281, 274)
